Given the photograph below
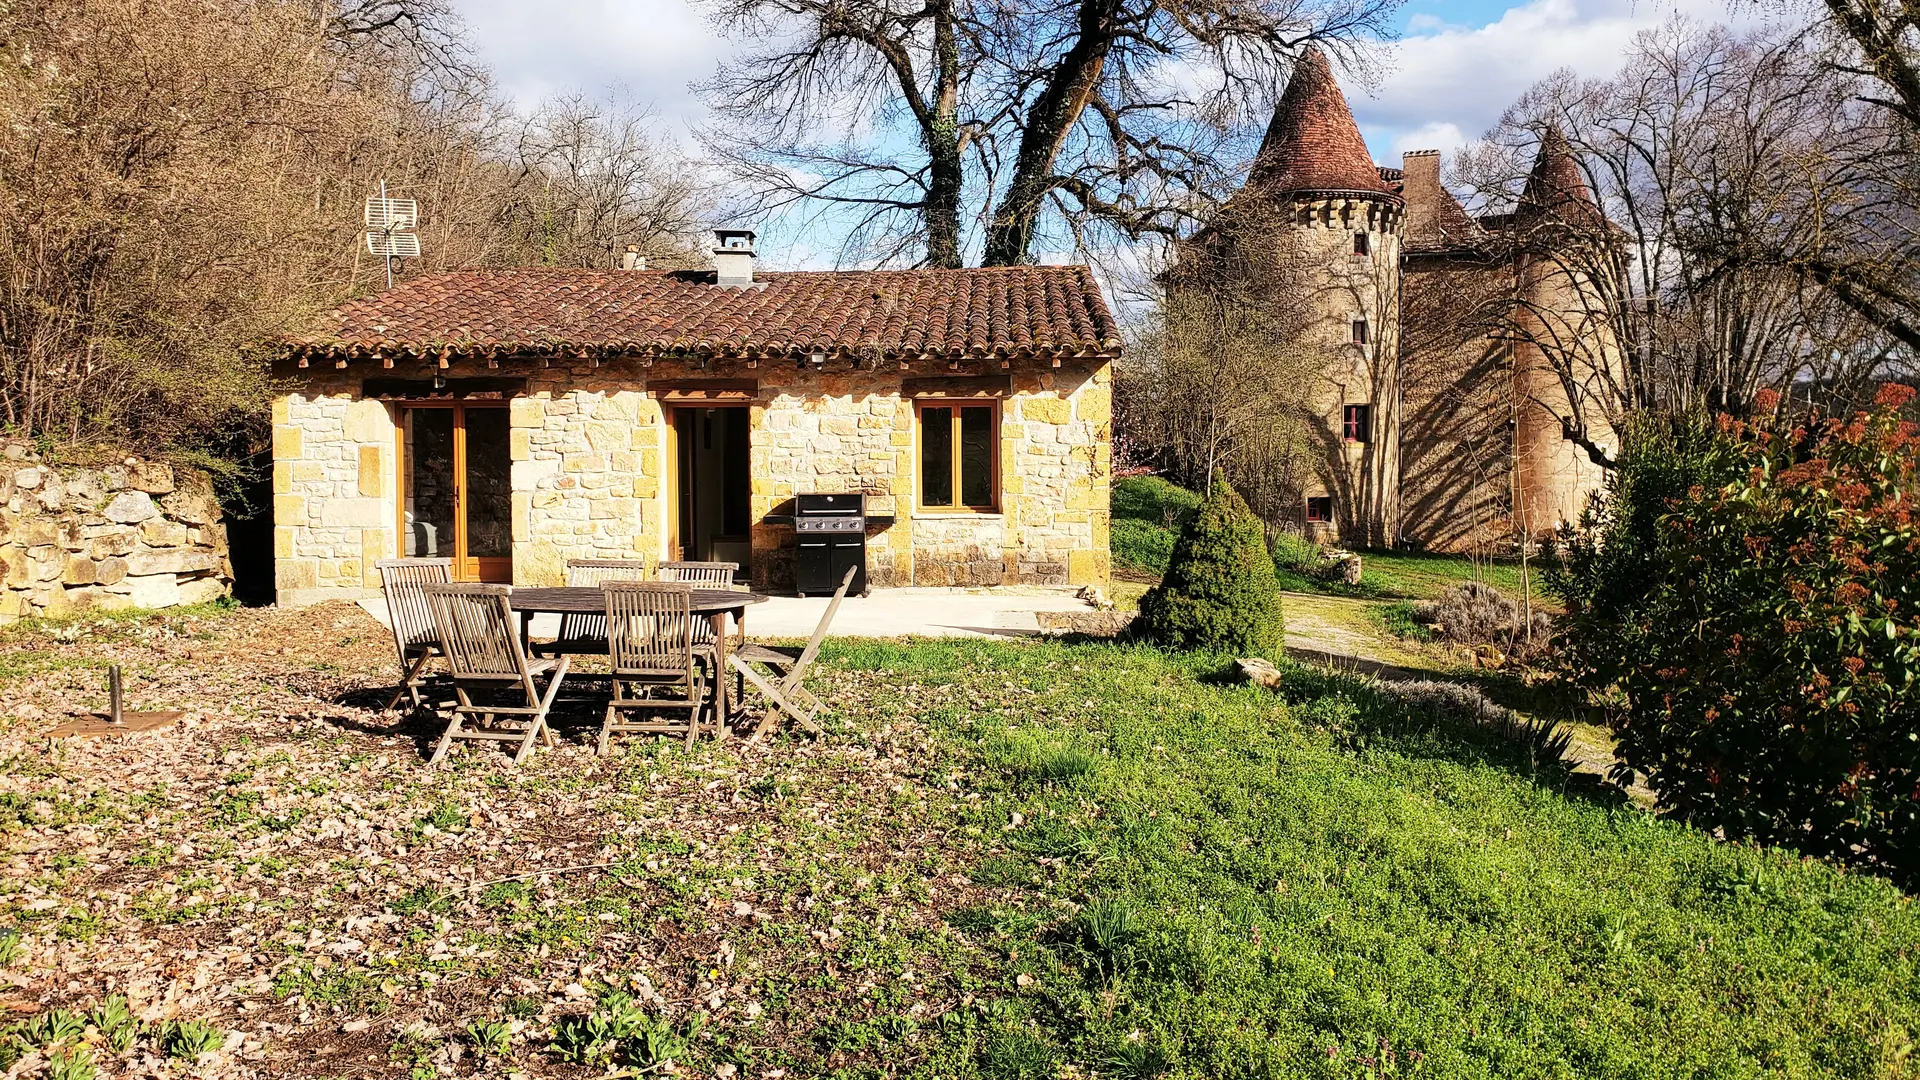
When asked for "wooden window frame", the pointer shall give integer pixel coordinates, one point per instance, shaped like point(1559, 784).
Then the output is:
point(920, 407)
point(1357, 427)
point(1362, 333)
point(1325, 519)
point(1362, 244)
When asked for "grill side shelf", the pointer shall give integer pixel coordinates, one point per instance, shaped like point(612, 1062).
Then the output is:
point(879, 521)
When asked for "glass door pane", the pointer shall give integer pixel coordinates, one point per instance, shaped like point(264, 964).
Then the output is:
point(432, 487)
point(489, 487)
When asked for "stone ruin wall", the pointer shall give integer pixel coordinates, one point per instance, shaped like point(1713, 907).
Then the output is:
point(132, 534)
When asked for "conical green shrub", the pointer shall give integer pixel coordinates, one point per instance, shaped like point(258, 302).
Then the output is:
point(1219, 591)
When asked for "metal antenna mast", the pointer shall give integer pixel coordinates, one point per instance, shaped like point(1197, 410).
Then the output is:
point(390, 225)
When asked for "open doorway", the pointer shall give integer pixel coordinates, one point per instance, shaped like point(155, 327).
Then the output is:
point(713, 507)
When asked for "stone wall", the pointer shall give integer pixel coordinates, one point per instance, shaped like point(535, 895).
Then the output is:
point(132, 534)
point(1361, 478)
point(592, 474)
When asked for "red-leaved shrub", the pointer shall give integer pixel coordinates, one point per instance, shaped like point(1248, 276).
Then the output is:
point(1760, 634)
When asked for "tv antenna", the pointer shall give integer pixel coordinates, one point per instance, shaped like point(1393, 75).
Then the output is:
point(390, 225)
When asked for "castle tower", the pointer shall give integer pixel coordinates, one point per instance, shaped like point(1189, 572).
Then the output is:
point(1566, 357)
point(1344, 225)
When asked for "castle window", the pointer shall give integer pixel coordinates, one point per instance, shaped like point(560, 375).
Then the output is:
point(1356, 423)
point(1319, 508)
point(1362, 245)
point(1359, 331)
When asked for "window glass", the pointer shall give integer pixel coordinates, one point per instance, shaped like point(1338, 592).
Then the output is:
point(976, 456)
point(1320, 508)
point(1356, 425)
point(936, 456)
point(1360, 243)
point(431, 498)
point(489, 484)
point(1359, 331)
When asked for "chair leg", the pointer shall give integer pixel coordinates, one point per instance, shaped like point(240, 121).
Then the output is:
point(779, 700)
point(446, 741)
point(535, 726)
point(407, 683)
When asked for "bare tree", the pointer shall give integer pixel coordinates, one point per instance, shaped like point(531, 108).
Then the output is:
point(1667, 271)
point(181, 185)
point(1221, 374)
point(589, 179)
point(970, 119)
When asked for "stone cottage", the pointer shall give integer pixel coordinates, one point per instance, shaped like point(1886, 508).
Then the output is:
point(513, 419)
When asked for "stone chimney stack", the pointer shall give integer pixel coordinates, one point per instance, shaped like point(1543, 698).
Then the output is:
point(733, 257)
point(631, 259)
point(1420, 186)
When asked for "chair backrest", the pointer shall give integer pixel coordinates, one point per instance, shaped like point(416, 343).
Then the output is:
point(407, 609)
point(716, 575)
point(582, 572)
point(589, 572)
point(701, 575)
point(826, 619)
point(477, 631)
point(650, 627)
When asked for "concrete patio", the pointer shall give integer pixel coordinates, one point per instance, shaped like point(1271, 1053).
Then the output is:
point(913, 612)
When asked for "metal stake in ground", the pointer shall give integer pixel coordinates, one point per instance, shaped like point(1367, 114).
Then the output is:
point(115, 721)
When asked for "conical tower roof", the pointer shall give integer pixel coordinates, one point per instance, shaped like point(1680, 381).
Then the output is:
point(1312, 144)
point(1556, 189)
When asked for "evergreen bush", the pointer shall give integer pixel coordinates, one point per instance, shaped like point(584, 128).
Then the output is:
point(1219, 591)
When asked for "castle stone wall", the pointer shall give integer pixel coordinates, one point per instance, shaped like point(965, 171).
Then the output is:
point(1362, 478)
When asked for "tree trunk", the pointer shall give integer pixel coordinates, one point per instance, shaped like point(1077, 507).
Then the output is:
point(1055, 113)
point(941, 214)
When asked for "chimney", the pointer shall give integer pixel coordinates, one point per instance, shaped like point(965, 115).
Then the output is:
point(733, 257)
point(1420, 186)
point(631, 259)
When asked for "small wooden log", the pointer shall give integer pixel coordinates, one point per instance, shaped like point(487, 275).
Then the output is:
point(1259, 672)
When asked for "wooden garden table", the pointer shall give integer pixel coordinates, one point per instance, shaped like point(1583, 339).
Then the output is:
point(715, 604)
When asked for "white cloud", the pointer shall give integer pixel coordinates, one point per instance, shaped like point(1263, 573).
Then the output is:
point(1442, 136)
point(1456, 80)
point(652, 48)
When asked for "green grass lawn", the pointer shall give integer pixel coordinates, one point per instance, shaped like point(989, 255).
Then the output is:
point(1199, 880)
point(1006, 860)
point(1149, 511)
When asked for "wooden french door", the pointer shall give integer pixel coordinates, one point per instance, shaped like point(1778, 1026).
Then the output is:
point(456, 493)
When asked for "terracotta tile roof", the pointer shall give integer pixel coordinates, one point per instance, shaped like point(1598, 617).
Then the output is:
point(1312, 145)
point(1557, 190)
point(1048, 311)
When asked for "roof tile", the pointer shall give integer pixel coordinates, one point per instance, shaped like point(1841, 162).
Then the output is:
point(1312, 144)
point(995, 311)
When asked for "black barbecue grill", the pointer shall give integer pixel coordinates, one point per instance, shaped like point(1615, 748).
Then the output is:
point(831, 536)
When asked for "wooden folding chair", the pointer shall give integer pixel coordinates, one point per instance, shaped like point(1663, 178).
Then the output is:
point(702, 575)
point(789, 695)
point(414, 636)
point(588, 633)
point(650, 646)
point(484, 654)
